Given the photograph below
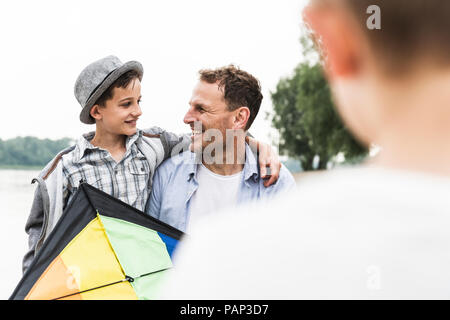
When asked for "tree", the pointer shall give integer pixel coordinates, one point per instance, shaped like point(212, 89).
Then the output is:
point(30, 151)
point(305, 116)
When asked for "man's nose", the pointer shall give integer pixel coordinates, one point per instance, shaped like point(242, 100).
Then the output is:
point(189, 117)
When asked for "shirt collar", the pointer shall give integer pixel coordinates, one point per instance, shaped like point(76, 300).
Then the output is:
point(251, 169)
point(83, 144)
point(192, 165)
point(133, 139)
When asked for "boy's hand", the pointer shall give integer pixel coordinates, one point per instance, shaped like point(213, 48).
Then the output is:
point(269, 162)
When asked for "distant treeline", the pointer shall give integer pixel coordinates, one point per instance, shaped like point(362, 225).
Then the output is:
point(30, 151)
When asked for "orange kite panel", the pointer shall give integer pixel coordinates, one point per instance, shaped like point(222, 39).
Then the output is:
point(62, 280)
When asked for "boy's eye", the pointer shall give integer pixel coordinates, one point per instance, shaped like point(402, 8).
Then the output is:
point(129, 103)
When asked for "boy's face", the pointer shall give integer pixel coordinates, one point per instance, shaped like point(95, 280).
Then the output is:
point(120, 114)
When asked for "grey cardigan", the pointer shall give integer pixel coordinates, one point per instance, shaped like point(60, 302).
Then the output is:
point(47, 207)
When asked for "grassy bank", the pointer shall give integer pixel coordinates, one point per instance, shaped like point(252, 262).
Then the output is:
point(19, 167)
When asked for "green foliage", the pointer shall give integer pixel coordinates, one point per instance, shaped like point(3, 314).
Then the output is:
point(307, 121)
point(30, 151)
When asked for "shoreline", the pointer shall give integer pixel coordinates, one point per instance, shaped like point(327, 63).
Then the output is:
point(20, 167)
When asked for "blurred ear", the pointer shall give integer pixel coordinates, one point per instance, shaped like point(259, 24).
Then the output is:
point(95, 112)
point(338, 36)
point(241, 117)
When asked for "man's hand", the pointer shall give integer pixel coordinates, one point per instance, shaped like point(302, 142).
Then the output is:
point(268, 158)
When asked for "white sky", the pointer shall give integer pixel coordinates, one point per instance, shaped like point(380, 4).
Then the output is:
point(46, 44)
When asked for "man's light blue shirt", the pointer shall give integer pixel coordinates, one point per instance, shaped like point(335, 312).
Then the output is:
point(175, 182)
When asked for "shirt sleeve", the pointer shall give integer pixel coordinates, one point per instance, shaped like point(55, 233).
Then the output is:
point(33, 228)
point(285, 183)
point(173, 143)
point(288, 179)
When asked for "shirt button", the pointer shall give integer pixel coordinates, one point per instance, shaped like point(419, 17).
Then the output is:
point(142, 169)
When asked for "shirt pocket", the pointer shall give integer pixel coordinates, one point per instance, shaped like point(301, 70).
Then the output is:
point(139, 175)
point(138, 166)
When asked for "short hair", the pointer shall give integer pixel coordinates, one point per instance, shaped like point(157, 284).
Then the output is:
point(240, 88)
point(411, 30)
point(122, 82)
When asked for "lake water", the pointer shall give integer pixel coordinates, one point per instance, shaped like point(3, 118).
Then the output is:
point(16, 196)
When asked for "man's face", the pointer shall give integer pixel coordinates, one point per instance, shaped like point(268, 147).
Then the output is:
point(121, 112)
point(208, 110)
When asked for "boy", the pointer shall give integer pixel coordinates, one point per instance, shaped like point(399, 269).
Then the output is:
point(117, 158)
point(380, 231)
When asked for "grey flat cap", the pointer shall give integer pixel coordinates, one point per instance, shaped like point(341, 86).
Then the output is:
point(96, 78)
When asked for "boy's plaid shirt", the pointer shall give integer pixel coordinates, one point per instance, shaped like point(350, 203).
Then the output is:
point(126, 180)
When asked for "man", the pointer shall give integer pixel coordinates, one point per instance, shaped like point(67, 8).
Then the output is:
point(379, 231)
point(117, 158)
point(220, 169)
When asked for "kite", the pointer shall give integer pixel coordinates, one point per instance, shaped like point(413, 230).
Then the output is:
point(100, 249)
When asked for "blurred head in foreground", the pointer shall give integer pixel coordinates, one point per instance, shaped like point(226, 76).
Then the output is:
point(362, 233)
point(388, 64)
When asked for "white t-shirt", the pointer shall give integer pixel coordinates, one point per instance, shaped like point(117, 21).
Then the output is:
point(364, 233)
point(214, 193)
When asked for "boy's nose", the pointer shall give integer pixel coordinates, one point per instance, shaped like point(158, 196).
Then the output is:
point(137, 112)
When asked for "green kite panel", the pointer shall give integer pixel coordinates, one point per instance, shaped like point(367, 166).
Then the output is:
point(140, 251)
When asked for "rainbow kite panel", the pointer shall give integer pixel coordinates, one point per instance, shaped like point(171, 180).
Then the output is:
point(100, 249)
